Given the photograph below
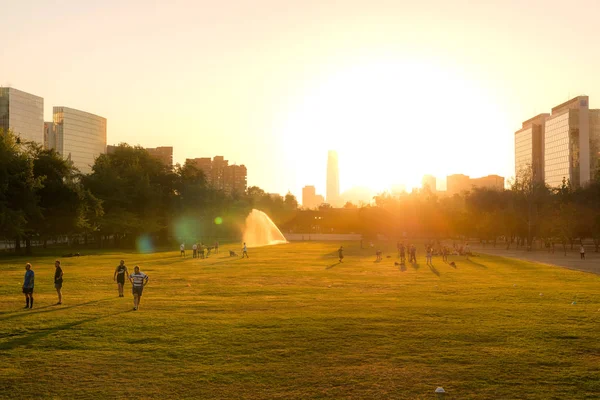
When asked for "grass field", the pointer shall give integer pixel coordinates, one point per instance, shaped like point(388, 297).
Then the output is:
point(290, 322)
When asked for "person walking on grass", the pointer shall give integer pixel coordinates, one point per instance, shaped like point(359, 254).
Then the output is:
point(428, 255)
point(58, 281)
point(245, 251)
point(138, 281)
point(216, 247)
point(119, 276)
point(28, 286)
point(582, 252)
point(341, 253)
point(182, 250)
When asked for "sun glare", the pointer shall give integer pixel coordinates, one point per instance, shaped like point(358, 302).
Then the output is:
point(391, 123)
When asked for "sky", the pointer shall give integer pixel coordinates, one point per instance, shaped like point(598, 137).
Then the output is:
point(398, 88)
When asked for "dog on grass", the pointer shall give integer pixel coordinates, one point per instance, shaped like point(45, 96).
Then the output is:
point(232, 253)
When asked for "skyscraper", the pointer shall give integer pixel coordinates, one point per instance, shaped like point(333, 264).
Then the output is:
point(562, 145)
point(529, 147)
point(80, 136)
point(23, 114)
point(333, 179)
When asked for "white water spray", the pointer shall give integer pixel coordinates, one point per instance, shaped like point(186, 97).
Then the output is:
point(261, 231)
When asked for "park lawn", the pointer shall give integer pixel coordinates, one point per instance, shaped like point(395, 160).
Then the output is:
point(291, 322)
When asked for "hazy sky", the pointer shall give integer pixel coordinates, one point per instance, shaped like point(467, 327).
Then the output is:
point(398, 88)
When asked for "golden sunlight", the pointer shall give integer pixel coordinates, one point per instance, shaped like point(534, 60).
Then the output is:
point(391, 122)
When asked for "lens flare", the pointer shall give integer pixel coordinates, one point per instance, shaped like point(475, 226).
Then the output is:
point(218, 220)
point(144, 244)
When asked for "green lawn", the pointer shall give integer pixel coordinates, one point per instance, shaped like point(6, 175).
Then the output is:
point(290, 322)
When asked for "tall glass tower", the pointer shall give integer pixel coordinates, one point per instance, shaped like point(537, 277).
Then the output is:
point(333, 179)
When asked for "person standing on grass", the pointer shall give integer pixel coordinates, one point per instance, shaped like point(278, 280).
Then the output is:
point(245, 251)
point(428, 255)
point(341, 253)
point(182, 250)
point(58, 280)
point(119, 276)
point(194, 250)
point(216, 247)
point(28, 286)
point(138, 281)
point(582, 252)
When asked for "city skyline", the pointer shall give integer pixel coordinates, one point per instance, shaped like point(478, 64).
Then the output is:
point(363, 81)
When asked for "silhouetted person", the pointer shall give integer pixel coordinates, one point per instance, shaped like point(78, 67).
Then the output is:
point(119, 276)
point(341, 253)
point(28, 286)
point(216, 247)
point(58, 281)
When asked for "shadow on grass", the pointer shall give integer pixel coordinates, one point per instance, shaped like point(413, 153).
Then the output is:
point(49, 309)
point(433, 269)
point(333, 265)
point(26, 340)
point(415, 265)
point(475, 263)
point(401, 267)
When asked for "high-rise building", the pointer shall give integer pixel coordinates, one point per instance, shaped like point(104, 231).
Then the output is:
point(529, 147)
point(571, 136)
point(49, 135)
point(562, 145)
point(308, 196)
point(428, 181)
point(80, 136)
point(23, 114)
point(163, 154)
point(220, 175)
point(333, 179)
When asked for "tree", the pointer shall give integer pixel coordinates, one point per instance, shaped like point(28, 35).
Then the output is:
point(18, 185)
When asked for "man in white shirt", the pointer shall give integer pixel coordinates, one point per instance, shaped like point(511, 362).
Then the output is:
point(245, 251)
point(138, 281)
point(194, 250)
point(182, 250)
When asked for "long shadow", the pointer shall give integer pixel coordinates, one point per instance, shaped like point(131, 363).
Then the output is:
point(23, 341)
point(416, 266)
point(402, 267)
point(49, 309)
point(475, 263)
point(333, 265)
point(228, 259)
point(434, 269)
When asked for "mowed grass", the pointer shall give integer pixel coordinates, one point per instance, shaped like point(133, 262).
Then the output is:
point(292, 323)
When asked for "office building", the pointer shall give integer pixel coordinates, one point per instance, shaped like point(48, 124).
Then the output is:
point(333, 179)
point(457, 184)
point(571, 135)
point(49, 135)
point(529, 147)
point(564, 144)
point(429, 182)
point(310, 198)
point(80, 136)
point(494, 182)
point(220, 175)
point(23, 114)
point(163, 154)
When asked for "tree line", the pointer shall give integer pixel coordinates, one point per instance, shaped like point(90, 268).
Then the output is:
point(527, 214)
point(128, 195)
